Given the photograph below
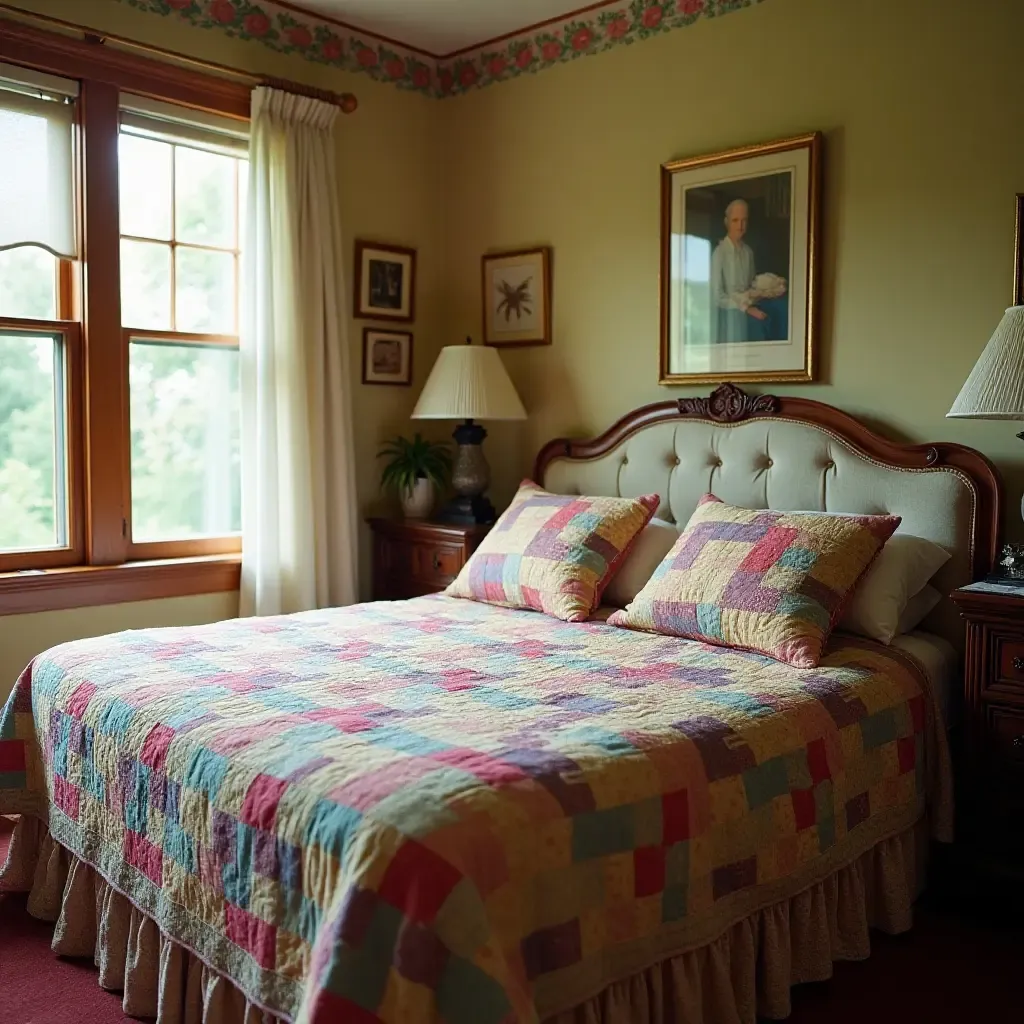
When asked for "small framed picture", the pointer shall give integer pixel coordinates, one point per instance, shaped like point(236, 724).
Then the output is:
point(517, 297)
point(739, 259)
point(385, 282)
point(387, 356)
point(1018, 253)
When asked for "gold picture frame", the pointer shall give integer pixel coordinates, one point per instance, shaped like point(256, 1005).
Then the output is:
point(740, 243)
point(1018, 252)
point(516, 297)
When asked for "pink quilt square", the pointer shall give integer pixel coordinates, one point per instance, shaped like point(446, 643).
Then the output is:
point(261, 799)
point(254, 935)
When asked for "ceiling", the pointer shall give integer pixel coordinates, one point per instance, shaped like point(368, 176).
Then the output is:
point(442, 27)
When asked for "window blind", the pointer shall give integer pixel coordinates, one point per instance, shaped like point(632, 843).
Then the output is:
point(153, 119)
point(37, 181)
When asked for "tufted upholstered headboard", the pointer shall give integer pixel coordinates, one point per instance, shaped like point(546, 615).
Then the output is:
point(792, 453)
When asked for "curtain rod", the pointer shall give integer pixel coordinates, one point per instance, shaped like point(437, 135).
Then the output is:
point(345, 100)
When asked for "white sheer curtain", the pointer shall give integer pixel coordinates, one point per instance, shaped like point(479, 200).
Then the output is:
point(298, 479)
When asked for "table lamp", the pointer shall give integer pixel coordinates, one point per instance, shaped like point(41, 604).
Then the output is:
point(995, 388)
point(469, 382)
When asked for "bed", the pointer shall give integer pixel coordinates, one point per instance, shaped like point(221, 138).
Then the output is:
point(442, 810)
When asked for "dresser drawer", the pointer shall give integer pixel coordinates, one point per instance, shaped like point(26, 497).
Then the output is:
point(1009, 660)
point(438, 564)
point(1005, 728)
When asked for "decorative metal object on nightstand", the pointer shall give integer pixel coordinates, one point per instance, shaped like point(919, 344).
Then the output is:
point(1010, 564)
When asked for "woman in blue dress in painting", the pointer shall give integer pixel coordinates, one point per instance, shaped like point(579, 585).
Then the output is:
point(737, 317)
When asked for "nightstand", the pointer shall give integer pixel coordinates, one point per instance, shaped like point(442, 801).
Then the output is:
point(990, 798)
point(412, 557)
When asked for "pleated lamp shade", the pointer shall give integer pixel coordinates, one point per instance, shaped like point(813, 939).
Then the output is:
point(469, 382)
point(995, 388)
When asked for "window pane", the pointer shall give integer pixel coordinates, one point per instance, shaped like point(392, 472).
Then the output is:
point(145, 185)
point(205, 291)
point(146, 285)
point(28, 283)
point(204, 185)
point(185, 441)
point(32, 474)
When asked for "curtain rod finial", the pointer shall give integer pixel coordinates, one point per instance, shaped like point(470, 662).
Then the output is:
point(349, 104)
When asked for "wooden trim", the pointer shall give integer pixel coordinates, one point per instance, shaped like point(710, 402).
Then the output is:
point(129, 64)
point(66, 290)
point(106, 377)
point(194, 548)
point(131, 334)
point(92, 61)
point(729, 404)
point(86, 586)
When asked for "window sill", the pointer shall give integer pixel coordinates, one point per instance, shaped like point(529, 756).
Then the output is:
point(81, 586)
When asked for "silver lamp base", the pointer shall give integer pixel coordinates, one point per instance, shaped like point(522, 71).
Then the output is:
point(471, 476)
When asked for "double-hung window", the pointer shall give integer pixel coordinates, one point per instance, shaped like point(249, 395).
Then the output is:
point(182, 203)
point(40, 340)
point(122, 214)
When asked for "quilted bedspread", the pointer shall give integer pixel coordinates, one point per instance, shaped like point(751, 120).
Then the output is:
point(440, 810)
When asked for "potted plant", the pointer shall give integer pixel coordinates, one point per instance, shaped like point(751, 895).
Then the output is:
point(415, 469)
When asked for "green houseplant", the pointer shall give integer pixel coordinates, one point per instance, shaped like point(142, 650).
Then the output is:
point(415, 470)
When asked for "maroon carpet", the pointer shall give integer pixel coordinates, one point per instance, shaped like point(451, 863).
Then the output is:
point(948, 970)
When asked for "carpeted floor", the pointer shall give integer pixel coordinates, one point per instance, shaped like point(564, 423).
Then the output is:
point(949, 970)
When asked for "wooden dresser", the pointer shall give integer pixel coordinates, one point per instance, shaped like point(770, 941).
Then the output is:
point(412, 557)
point(990, 798)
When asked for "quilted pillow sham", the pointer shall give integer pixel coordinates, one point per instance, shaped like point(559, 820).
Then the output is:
point(759, 580)
point(553, 553)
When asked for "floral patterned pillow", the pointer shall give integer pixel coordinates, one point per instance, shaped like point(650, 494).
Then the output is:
point(553, 553)
point(771, 582)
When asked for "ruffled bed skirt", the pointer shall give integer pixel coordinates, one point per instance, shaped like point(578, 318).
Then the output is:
point(746, 971)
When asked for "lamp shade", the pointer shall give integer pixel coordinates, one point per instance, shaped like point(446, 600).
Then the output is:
point(995, 388)
point(469, 382)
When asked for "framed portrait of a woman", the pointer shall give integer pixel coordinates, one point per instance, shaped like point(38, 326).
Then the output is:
point(739, 259)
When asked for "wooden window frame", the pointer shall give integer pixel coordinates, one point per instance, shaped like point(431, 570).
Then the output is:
point(100, 564)
point(192, 546)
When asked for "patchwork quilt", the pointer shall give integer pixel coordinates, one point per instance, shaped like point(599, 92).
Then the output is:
point(442, 810)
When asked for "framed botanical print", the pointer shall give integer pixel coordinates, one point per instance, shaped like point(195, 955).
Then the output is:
point(387, 356)
point(1018, 253)
point(739, 257)
point(517, 297)
point(385, 282)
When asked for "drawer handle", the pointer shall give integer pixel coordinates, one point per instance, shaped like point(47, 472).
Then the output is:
point(437, 566)
point(1017, 743)
point(1018, 664)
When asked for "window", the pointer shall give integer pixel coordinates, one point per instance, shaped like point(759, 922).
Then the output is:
point(120, 241)
point(40, 516)
point(181, 239)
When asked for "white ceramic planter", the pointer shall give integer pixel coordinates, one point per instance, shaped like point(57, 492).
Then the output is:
point(418, 502)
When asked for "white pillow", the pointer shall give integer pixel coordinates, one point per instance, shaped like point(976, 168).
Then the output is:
point(900, 571)
point(918, 607)
point(646, 554)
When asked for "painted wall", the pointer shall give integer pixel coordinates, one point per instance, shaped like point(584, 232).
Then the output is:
point(918, 102)
point(390, 180)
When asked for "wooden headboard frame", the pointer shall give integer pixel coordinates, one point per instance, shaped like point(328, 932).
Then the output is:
point(730, 404)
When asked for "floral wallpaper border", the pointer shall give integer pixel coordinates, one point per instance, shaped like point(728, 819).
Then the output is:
point(619, 23)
